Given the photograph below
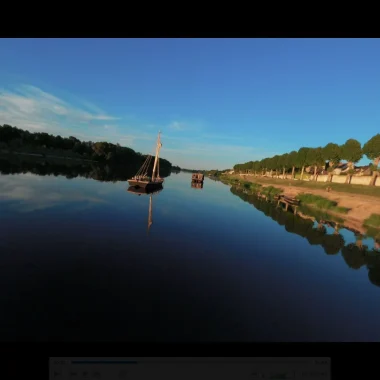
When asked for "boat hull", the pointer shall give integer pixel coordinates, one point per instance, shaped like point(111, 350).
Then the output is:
point(145, 184)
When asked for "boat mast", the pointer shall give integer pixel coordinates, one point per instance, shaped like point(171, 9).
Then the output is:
point(150, 221)
point(156, 158)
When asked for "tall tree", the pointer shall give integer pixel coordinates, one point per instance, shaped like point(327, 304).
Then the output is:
point(302, 160)
point(275, 163)
point(284, 162)
point(372, 150)
point(352, 153)
point(292, 161)
point(332, 153)
point(315, 158)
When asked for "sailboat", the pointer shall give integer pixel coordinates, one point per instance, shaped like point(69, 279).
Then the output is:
point(141, 179)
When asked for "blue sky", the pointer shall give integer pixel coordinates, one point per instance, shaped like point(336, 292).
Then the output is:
point(217, 101)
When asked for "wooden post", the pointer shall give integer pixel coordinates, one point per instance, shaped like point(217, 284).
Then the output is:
point(286, 208)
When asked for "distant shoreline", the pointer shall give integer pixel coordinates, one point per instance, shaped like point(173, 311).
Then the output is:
point(5, 153)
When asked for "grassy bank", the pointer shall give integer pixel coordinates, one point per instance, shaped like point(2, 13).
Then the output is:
point(313, 205)
point(253, 187)
point(321, 203)
point(317, 206)
point(373, 221)
point(336, 187)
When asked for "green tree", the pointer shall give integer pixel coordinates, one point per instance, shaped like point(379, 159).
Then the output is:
point(292, 161)
point(284, 162)
point(316, 159)
point(372, 150)
point(302, 159)
point(352, 153)
point(275, 164)
point(332, 153)
point(257, 167)
point(264, 164)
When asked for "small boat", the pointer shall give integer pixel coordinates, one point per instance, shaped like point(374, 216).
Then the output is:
point(197, 177)
point(141, 179)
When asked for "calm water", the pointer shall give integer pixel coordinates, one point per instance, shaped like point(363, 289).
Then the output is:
point(78, 263)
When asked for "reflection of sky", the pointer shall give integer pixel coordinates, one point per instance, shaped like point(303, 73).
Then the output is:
point(222, 265)
point(29, 192)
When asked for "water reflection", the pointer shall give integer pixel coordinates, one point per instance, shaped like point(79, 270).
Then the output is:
point(197, 185)
point(28, 193)
point(143, 191)
point(315, 231)
point(64, 273)
point(69, 168)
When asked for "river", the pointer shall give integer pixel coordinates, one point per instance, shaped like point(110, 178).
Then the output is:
point(79, 263)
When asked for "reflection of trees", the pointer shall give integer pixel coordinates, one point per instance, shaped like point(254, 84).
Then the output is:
point(374, 274)
point(316, 236)
point(299, 226)
point(373, 265)
point(356, 255)
point(333, 243)
point(99, 172)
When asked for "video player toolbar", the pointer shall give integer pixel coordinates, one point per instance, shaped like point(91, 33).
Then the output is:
point(107, 368)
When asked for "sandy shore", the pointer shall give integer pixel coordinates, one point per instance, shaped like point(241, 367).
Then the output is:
point(361, 206)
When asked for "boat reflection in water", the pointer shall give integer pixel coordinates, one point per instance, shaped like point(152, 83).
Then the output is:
point(197, 185)
point(146, 191)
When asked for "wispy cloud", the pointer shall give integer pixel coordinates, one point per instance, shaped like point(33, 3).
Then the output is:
point(24, 193)
point(184, 141)
point(177, 126)
point(222, 137)
point(180, 126)
point(31, 108)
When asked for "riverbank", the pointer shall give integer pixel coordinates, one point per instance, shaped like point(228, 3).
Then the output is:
point(53, 156)
point(361, 201)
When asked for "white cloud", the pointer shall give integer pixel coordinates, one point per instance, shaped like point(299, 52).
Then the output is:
point(177, 126)
point(30, 108)
point(189, 126)
point(24, 193)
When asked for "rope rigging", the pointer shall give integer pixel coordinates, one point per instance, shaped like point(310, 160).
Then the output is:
point(144, 168)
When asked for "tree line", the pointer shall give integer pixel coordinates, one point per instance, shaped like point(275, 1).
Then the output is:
point(71, 169)
point(15, 139)
point(328, 157)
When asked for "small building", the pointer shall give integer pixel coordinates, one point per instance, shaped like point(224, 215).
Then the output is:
point(341, 168)
point(197, 177)
point(320, 170)
point(363, 170)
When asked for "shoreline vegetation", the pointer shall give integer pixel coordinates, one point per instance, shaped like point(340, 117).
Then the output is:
point(57, 166)
point(318, 231)
point(354, 210)
point(16, 141)
point(320, 161)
